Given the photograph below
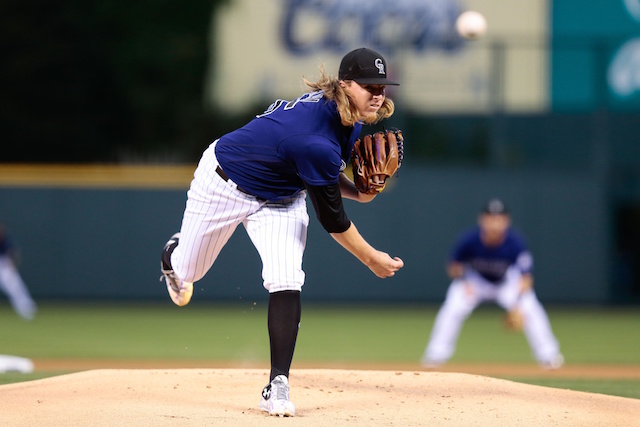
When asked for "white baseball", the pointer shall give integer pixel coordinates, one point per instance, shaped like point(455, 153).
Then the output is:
point(471, 24)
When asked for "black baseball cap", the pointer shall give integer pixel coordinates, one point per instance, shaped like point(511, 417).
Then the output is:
point(364, 66)
point(495, 207)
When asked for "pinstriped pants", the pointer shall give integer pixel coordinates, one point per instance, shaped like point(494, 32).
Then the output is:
point(216, 207)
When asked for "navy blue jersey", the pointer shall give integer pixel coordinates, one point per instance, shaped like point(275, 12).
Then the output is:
point(492, 262)
point(5, 245)
point(291, 142)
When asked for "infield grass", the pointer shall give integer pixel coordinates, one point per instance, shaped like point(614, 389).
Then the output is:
point(328, 334)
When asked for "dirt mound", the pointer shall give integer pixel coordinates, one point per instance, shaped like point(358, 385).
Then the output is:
point(323, 397)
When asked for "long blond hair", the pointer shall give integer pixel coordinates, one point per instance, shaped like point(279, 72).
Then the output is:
point(332, 90)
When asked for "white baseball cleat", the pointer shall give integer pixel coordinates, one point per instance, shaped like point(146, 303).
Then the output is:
point(555, 362)
point(275, 398)
point(430, 363)
point(179, 291)
point(15, 364)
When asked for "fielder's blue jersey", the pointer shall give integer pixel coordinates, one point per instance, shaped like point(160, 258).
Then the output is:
point(492, 262)
point(5, 245)
point(291, 142)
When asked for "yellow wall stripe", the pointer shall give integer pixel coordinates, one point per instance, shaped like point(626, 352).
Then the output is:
point(96, 176)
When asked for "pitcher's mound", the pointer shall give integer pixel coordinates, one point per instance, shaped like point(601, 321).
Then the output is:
point(323, 397)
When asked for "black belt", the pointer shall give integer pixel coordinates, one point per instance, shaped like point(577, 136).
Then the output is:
point(224, 176)
point(220, 172)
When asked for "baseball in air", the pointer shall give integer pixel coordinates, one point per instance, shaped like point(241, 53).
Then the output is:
point(471, 24)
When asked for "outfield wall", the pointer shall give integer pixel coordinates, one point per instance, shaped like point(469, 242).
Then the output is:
point(88, 234)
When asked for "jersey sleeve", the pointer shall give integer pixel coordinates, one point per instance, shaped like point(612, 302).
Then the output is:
point(524, 262)
point(327, 203)
point(524, 259)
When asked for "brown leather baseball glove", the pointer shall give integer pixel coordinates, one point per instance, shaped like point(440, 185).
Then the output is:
point(513, 320)
point(375, 158)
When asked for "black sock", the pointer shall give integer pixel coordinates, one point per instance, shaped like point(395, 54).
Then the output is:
point(284, 313)
point(166, 255)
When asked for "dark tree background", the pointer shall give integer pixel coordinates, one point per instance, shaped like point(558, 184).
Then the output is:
point(123, 81)
point(105, 81)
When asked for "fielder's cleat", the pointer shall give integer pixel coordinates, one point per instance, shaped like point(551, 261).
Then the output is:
point(275, 398)
point(15, 364)
point(429, 363)
point(27, 310)
point(555, 362)
point(179, 291)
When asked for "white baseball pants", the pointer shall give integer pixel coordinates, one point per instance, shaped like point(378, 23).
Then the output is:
point(215, 208)
point(464, 295)
point(11, 284)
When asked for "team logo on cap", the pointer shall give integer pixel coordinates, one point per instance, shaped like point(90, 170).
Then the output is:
point(379, 65)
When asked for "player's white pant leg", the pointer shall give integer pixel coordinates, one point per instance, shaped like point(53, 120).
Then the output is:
point(462, 298)
point(13, 286)
point(279, 233)
point(213, 211)
point(537, 328)
point(508, 291)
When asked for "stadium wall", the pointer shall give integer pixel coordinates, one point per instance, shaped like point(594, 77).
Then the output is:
point(96, 233)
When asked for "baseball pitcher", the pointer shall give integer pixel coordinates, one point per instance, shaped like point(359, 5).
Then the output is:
point(260, 175)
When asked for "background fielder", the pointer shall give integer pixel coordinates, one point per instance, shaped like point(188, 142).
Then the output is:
point(11, 282)
point(259, 176)
point(12, 285)
point(491, 263)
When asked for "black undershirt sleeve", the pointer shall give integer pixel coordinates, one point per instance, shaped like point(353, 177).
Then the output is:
point(327, 202)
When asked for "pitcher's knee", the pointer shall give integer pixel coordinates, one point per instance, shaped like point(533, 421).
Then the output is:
point(279, 287)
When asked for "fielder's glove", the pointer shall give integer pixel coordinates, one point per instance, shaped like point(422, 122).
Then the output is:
point(513, 320)
point(375, 158)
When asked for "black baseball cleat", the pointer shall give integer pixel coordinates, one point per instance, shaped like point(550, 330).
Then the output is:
point(179, 290)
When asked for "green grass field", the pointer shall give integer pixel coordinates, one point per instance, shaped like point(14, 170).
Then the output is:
point(328, 335)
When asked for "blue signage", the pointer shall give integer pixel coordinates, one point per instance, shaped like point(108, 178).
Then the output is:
point(380, 24)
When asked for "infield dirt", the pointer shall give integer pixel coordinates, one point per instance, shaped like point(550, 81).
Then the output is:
point(323, 397)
